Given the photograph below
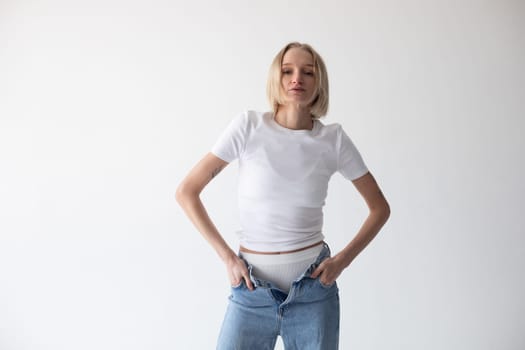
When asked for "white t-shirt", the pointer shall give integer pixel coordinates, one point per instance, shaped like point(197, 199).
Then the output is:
point(283, 177)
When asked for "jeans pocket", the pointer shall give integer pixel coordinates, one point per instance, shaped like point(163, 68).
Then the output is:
point(326, 286)
point(238, 286)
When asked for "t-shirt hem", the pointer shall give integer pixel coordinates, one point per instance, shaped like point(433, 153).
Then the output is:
point(221, 156)
point(359, 174)
point(272, 247)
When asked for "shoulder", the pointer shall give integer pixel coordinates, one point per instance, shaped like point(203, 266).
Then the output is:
point(338, 136)
point(252, 119)
point(255, 117)
point(333, 127)
point(336, 130)
point(244, 122)
point(332, 130)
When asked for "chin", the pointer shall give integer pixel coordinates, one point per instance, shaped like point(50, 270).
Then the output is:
point(301, 102)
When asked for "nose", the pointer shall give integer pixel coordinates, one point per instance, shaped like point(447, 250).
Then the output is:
point(297, 78)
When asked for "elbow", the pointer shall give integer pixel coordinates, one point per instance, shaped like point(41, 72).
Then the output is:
point(385, 211)
point(381, 210)
point(183, 193)
point(179, 195)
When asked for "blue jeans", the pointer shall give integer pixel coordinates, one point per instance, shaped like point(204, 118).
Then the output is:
point(306, 319)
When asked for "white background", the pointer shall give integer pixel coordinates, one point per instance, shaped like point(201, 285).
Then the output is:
point(106, 105)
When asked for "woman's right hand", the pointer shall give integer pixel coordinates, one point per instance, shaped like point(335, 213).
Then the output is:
point(188, 197)
point(237, 271)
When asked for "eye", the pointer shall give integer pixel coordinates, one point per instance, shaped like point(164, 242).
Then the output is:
point(287, 71)
point(309, 73)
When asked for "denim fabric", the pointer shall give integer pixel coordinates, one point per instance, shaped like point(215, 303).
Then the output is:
point(306, 319)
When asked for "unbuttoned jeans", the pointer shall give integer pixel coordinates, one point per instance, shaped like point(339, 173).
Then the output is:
point(307, 318)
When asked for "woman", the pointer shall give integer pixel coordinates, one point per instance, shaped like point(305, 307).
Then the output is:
point(283, 277)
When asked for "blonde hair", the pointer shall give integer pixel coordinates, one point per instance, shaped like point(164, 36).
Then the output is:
point(274, 92)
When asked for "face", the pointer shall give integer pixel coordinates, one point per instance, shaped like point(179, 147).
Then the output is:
point(298, 79)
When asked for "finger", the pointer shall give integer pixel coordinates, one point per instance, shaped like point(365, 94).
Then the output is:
point(317, 271)
point(249, 283)
point(235, 282)
point(246, 276)
point(325, 278)
point(326, 283)
point(237, 277)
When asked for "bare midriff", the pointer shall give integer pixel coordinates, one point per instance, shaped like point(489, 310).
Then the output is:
point(246, 250)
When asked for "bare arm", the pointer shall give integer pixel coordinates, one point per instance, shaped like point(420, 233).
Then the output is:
point(378, 215)
point(188, 197)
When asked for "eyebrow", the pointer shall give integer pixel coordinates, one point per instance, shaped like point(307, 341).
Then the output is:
point(287, 64)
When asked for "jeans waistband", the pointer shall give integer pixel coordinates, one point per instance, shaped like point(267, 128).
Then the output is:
point(325, 253)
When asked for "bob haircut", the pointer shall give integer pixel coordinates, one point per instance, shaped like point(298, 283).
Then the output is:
point(274, 91)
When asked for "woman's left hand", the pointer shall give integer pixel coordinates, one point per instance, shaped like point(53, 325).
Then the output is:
point(328, 270)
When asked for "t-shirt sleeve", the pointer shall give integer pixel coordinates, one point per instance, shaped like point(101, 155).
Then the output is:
point(231, 141)
point(349, 161)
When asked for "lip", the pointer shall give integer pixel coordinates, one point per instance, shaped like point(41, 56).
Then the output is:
point(297, 89)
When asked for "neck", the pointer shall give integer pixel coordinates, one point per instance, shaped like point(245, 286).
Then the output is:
point(294, 117)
